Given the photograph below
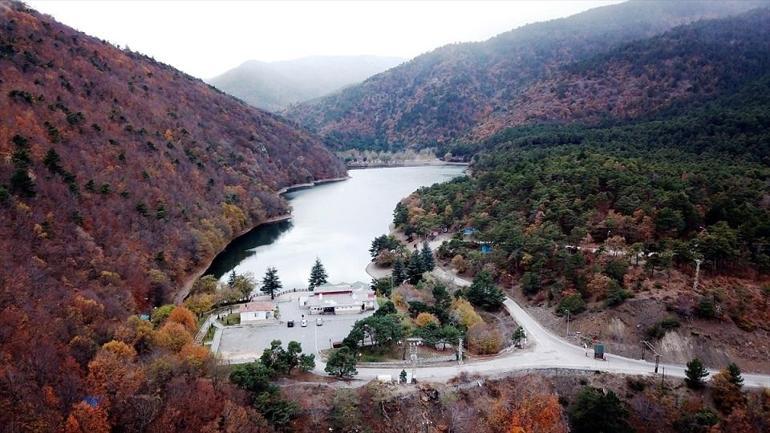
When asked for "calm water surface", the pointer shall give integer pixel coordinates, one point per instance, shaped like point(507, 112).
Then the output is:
point(335, 222)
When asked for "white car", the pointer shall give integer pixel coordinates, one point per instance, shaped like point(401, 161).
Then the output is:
point(303, 323)
point(319, 321)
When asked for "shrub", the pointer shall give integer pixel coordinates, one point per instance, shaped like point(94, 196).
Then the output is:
point(572, 304)
point(706, 308)
point(597, 411)
point(616, 294)
point(659, 329)
point(424, 319)
point(484, 339)
point(465, 314)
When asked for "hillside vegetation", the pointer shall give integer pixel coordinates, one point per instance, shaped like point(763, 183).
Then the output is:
point(120, 177)
point(276, 85)
point(464, 92)
point(589, 216)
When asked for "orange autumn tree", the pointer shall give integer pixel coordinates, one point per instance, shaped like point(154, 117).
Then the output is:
point(114, 374)
point(538, 414)
point(86, 419)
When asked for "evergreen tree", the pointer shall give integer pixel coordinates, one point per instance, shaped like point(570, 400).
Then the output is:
point(695, 373)
point(400, 214)
point(52, 160)
point(426, 255)
point(271, 283)
point(484, 293)
point(318, 275)
point(735, 374)
point(399, 274)
point(597, 411)
point(342, 363)
point(414, 268)
point(232, 278)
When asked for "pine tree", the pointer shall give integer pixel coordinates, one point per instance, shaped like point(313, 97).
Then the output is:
point(232, 278)
point(399, 274)
point(695, 373)
point(426, 255)
point(484, 293)
point(318, 275)
point(271, 283)
point(735, 375)
point(414, 268)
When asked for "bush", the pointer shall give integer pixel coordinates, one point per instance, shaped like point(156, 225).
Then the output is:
point(484, 339)
point(572, 304)
point(424, 319)
point(530, 283)
point(464, 313)
point(597, 411)
point(706, 308)
point(616, 294)
point(616, 269)
point(659, 329)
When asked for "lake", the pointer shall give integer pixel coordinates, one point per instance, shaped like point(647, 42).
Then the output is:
point(335, 222)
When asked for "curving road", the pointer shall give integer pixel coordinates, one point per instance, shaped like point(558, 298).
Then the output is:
point(545, 350)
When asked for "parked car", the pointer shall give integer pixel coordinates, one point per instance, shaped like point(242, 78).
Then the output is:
point(303, 323)
point(319, 321)
point(290, 323)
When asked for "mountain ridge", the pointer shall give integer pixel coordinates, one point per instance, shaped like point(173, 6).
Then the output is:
point(276, 85)
point(442, 95)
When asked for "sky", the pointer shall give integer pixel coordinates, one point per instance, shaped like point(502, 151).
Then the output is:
point(206, 38)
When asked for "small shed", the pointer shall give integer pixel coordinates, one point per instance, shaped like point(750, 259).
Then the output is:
point(485, 248)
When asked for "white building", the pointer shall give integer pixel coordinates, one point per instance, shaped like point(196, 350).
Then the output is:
point(340, 299)
point(256, 312)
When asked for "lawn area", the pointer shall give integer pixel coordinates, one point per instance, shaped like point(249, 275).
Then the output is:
point(210, 334)
point(231, 319)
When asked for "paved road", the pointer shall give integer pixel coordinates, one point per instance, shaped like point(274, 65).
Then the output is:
point(545, 351)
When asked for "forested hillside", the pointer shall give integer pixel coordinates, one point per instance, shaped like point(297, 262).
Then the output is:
point(587, 217)
point(120, 177)
point(468, 91)
point(276, 85)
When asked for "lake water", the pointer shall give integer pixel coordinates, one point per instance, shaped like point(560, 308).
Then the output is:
point(335, 222)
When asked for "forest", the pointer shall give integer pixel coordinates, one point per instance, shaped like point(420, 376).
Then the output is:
point(120, 178)
point(590, 66)
point(656, 194)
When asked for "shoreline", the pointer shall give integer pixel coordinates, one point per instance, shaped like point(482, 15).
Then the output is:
point(430, 163)
point(188, 282)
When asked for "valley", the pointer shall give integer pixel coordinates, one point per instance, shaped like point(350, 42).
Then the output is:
point(564, 227)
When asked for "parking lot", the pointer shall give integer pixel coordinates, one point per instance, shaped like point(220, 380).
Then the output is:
point(246, 342)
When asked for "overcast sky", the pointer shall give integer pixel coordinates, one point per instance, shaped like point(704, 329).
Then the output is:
point(206, 38)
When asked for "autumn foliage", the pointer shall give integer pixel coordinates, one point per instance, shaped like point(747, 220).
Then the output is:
point(120, 178)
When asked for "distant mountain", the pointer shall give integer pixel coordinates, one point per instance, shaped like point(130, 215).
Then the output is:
point(470, 91)
point(120, 178)
point(276, 85)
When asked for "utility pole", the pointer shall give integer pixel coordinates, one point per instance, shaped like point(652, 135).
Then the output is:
point(567, 323)
point(652, 349)
point(460, 351)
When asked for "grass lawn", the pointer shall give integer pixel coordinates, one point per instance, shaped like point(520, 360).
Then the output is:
point(210, 334)
point(232, 319)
